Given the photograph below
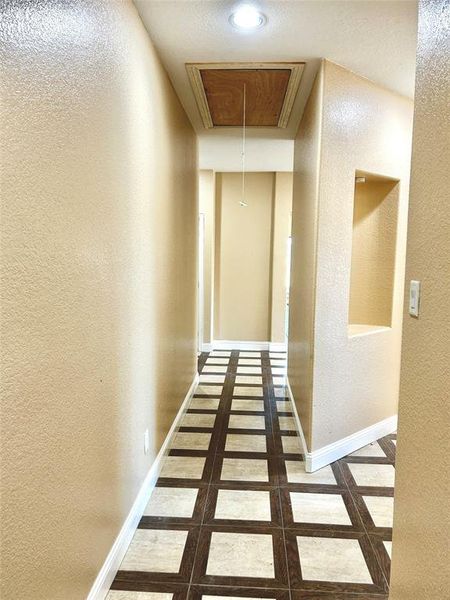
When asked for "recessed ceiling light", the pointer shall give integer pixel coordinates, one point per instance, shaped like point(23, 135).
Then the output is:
point(247, 18)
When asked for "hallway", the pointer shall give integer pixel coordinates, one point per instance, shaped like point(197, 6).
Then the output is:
point(235, 515)
point(224, 263)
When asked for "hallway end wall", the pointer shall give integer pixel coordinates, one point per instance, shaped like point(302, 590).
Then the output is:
point(98, 259)
point(243, 255)
point(420, 568)
point(251, 256)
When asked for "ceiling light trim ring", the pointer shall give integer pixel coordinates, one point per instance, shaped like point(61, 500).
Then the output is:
point(255, 18)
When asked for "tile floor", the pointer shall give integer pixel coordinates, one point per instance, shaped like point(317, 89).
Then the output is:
point(234, 515)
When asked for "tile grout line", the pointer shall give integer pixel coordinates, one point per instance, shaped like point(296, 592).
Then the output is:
point(366, 531)
point(219, 424)
point(280, 527)
point(272, 404)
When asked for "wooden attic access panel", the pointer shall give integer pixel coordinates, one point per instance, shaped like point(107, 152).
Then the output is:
point(265, 95)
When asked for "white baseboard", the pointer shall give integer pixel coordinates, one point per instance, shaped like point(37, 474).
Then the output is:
point(336, 450)
point(297, 419)
point(244, 345)
point(112, 563)
point(277, 347)
point(328, 454)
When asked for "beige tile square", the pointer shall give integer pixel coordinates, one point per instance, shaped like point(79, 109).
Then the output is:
point(291, 444)
point(280, 392)
point(332, 559)
point(198, 420)
point(155, 550)
point(244, 505)
point(241, 555)
point(209, 390)
point(205, 403)
point(372, 475)
point(253, 405)
point(244, 469)
point(249, 354)
point(183, 467)
point(284, 406)
point(277, 355)
point(279, 380)
point(394, 442)
point(236, 442)
point(253, 379)
point(191, 441)
point(217, 361)
point(256, 362)
point(279, 371)
point(240, 390)
point(278, 362)
point(296, 474)
point(388, 546)
point(128, 595)
point(249, 370)
point(212, 378)
point(246, 422)
point(219, 353)
point(214, 369)
point(381, 509)
point(371, 450)
point(172, 502)
point(319, 508)
point(287, 423)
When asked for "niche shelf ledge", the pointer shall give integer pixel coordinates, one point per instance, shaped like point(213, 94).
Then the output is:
point(360, 329)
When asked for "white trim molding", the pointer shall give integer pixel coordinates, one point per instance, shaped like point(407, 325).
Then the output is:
point(332, 452)
point(244, 345)
point(297, 419)
point(111, 565)
point(277, 347)
point(355, 441)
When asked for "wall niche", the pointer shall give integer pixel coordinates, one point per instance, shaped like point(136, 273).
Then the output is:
point(375, 212)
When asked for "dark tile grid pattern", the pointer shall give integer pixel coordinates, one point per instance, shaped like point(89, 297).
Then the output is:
point(231, 552)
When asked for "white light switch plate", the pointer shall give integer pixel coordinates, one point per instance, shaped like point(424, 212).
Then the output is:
point(414, 298)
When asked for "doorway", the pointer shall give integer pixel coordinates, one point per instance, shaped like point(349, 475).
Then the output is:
point(200, 282)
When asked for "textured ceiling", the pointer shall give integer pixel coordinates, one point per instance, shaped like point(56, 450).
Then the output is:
point(376, 39)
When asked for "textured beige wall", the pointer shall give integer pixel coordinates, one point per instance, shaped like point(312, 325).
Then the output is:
point(355, 379)
point(251, 256)
point(98, 283)
point(373, 252)
point(243, 247)
point(420, 569)
point(303, 265)
point(206, 206)
point(368, 128)
point(281, 230)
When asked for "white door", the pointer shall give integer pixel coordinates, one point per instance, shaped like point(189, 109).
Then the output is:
point(288, 285)
point(200, 279)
